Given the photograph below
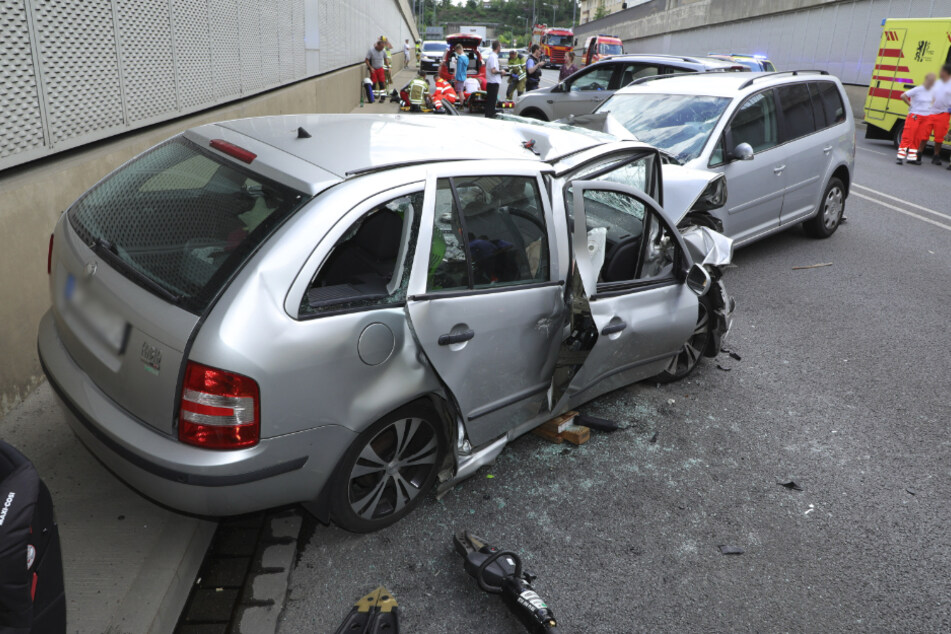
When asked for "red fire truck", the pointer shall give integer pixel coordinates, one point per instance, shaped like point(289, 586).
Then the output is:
point(555, 44)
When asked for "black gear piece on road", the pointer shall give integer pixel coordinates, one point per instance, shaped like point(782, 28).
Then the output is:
point(375, 613)
point(500, 572)
point(32, 596)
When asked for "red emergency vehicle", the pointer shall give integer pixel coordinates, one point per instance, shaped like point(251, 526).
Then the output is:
point(597, 47)
point(555, 44)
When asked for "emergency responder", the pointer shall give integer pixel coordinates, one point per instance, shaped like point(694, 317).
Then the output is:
point(938, 122)
point(419, 51)
point(533, 68)
point(376, 62)
point(517, 75)
point(920, 100)
point(388, 53)
point(418, 93)
point(443, 93)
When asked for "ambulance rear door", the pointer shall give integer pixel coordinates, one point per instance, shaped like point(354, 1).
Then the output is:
point(890, 77)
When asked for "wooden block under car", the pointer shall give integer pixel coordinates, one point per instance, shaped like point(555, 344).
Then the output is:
point(576, 434)
point(562, 428)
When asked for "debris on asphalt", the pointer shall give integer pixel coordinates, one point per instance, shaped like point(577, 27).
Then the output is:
point(911, 491)
point(500, 572)
point(375, 612)
point(720, 367)
point(653, 439)
point(489, 476)
point(598, 424)
point(671, 401)
point(811, 509)
point(811, 266)
point(730, 550)
point(732, 354)
point(792, 486)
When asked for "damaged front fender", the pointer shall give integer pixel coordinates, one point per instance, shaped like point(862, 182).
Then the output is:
point(713, 251)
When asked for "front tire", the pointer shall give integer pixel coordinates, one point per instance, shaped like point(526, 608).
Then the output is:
point(831, 210)
point(388, 470)
point(689, 356)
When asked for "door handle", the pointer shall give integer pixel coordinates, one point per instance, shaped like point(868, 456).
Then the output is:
point(779, 170)
point(455, 337)
point(827, 149)
point(612, 329)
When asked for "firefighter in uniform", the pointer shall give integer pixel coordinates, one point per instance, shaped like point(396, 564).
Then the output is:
point(417, 95)
point(920, 100)
point(419, 51)
point(517, 76)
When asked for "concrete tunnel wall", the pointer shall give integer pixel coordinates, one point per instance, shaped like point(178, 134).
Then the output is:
point(34, 194)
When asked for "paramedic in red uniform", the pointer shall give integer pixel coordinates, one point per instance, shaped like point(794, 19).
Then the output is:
point(940, 117)
point(920, 102)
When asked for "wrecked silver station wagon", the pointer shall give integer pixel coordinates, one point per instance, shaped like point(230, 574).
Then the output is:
point(343, 310)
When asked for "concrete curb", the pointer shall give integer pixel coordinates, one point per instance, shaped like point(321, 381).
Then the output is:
point(156, 597)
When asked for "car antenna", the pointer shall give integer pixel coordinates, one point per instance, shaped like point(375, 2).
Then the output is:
point(302, 133)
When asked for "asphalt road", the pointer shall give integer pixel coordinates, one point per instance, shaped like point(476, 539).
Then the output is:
point(843, 388)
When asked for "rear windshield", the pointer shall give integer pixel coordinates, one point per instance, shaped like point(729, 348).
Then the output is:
point(180, 221)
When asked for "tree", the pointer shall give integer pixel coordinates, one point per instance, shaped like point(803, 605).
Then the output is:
point(600, 12)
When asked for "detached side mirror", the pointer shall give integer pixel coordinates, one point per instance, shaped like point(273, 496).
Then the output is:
point(742, 152)
point(698, 280)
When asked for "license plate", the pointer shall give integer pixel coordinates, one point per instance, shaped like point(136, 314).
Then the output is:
point(103, 322)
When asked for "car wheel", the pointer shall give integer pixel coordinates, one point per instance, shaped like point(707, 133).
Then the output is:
point(388, 470)
point(897, 132)
point(831, 209)
point(535, 114)
point(689, 356)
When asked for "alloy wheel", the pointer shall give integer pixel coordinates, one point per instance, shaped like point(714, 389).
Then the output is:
point(832, 209)
point(690, 354)
point(393, 468)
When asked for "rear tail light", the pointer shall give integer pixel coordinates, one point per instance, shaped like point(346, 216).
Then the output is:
point(220, 410)
point(49, 257)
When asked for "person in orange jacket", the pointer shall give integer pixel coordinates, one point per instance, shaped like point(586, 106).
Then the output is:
point(443, 92)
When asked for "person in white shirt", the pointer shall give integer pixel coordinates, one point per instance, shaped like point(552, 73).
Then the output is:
point(939, 120)
point(406, 52)
point(920, 100)
point(493, 80)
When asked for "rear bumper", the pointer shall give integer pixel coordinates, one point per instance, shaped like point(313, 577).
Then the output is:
point(277, 471)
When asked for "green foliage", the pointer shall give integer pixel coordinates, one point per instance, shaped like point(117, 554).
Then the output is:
point(513, 17)
point(600, 12)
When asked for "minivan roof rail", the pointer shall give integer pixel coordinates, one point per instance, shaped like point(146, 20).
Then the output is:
point(750, 81)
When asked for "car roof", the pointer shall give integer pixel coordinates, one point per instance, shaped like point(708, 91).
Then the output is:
point(347, 144)
point(683, 60)
point(721, 84)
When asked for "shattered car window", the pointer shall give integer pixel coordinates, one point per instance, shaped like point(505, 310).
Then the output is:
point(677, 124)
point(364, 269)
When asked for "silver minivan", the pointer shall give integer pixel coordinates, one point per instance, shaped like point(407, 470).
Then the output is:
point(785, 142)
point(341, 310)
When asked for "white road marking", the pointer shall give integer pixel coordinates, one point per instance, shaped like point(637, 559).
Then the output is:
point(903, 201)
point(865, 149)
point(902, 211)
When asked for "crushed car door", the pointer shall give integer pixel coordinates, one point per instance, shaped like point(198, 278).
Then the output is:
point(485, 299)
point(630, 263)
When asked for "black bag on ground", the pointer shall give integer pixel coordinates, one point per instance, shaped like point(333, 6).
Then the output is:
point(32, 599)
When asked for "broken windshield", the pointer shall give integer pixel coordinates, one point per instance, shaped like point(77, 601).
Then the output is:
point(677, 124)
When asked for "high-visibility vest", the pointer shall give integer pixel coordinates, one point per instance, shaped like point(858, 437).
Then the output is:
point(443, 91)
point(418, 89)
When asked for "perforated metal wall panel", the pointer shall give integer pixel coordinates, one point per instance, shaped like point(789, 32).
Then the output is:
point(193, 52)
point(148, 64)
point(22, 129)
point(79, 64)
point(75, 71)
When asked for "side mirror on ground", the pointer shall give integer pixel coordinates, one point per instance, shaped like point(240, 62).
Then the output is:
point(698, 280)
point(742, 152)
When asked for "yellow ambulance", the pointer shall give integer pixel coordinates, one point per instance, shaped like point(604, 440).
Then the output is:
point(909, 50)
